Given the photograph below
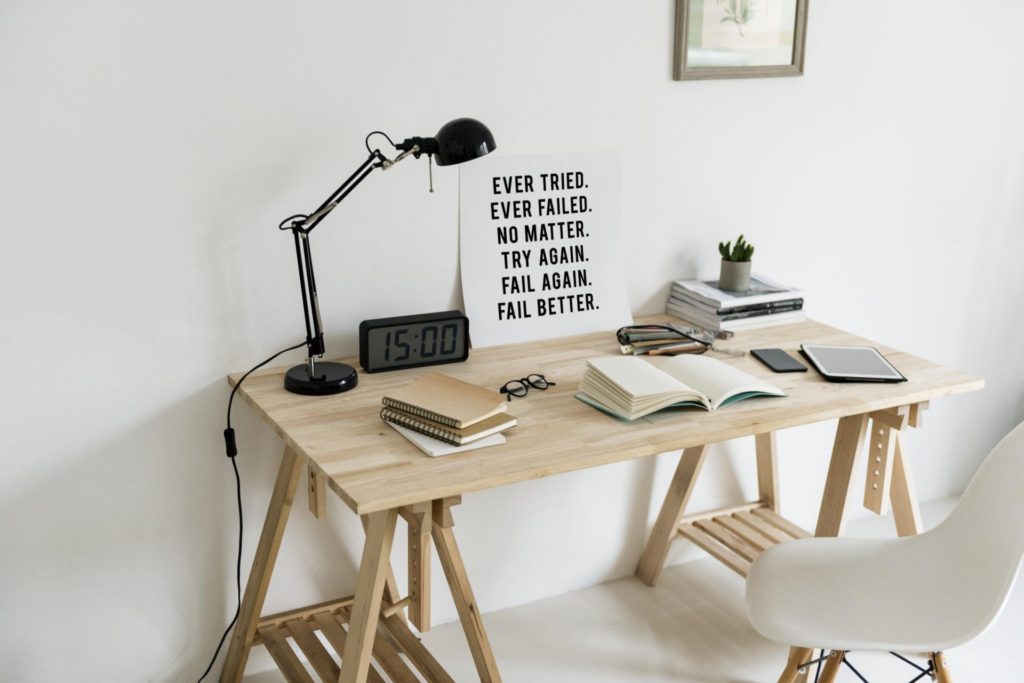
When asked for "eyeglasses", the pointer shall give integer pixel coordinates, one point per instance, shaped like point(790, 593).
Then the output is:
point(519, 387)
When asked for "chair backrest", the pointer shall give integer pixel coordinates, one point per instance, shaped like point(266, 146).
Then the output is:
point(984, 535)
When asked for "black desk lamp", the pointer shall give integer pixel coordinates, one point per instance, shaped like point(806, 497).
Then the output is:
point(457, 141)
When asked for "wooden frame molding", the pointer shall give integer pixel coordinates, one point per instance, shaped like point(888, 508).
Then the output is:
point(683, 72)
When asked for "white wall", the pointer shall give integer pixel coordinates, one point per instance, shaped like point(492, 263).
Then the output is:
point(148, 150)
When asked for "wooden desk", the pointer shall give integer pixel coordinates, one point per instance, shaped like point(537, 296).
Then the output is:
point(380, 476)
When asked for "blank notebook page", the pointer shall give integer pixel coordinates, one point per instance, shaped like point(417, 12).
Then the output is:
point(637, 379)
point(714, 378)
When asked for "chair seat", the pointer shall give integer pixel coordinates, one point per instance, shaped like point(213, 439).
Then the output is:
point(924, 593)
point(863, 594)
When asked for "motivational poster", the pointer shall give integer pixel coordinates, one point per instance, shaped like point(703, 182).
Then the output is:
point(539, 246)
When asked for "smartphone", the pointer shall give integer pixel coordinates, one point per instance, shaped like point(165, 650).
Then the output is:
point(778, 360)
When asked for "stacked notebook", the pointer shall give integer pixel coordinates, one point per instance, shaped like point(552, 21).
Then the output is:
point(440, 414)
point(764, 304)
point(630, 387)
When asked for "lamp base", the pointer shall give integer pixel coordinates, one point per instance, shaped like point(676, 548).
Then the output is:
point(329, 378)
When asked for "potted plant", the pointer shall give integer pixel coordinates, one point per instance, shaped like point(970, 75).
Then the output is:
point(735, 273)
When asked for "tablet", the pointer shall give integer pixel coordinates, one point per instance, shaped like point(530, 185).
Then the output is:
point(851, 363)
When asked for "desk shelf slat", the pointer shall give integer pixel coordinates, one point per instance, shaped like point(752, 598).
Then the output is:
point(398, 653)
point(736, 537)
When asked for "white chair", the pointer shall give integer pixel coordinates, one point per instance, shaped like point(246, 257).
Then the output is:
point(920, 594)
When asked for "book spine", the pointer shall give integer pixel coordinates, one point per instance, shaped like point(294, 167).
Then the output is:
point(696, 296)
point(410, 422)
point(709, 295)
point(732, 314)
point(708, 322)
point(684, 298)
point(771, 305)
point(757, 313)
point(419, 412)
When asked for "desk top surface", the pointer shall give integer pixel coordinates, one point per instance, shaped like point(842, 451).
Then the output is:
point(373, 468)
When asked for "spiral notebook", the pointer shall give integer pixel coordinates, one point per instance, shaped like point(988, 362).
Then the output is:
point(446, 400)
point(458, 437)
point(436, 448)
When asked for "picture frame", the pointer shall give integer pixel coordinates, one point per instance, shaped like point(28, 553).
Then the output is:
point(739, 39)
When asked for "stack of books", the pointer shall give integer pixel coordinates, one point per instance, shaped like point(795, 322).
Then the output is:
point(766, 303)
point(442, 415)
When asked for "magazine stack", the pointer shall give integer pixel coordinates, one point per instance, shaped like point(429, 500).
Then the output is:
point(765, 303)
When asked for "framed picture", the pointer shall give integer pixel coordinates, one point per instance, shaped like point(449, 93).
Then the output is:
point(739, 38)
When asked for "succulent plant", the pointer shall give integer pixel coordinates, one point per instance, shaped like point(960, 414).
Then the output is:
point(742, 251)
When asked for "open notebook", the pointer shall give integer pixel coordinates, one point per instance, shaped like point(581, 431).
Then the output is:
point(630, 387)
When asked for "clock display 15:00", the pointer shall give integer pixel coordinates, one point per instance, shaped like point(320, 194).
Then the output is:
point(414, 344)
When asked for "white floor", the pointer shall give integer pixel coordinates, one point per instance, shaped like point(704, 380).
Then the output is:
point(691, 628)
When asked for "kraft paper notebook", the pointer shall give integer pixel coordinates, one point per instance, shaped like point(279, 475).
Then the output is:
point(447, 400)
point(629, 387)
point(458, 437)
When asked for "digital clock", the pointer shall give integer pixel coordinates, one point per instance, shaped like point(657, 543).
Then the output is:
point(412, 341)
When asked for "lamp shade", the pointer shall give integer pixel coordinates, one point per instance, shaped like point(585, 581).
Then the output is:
point(463, 140)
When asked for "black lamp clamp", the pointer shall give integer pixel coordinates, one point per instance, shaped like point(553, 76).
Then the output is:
point(458, 141)
point(418, 146)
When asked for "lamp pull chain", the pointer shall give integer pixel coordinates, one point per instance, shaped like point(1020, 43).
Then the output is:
point(430, 170)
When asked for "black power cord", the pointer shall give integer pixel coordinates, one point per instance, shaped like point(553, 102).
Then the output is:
point(231, 449)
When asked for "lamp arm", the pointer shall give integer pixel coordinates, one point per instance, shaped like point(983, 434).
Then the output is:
point(301, 226)
point(375, 160)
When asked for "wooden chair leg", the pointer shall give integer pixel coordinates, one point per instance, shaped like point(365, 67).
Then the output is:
point(365, 613)
point(262, 567)
point(942, 674)
point(664, 532)
point(797, 656)
point(462, 592)
point(832, 666)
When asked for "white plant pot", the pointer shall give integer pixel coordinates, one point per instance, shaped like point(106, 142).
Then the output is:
point(734, 276)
